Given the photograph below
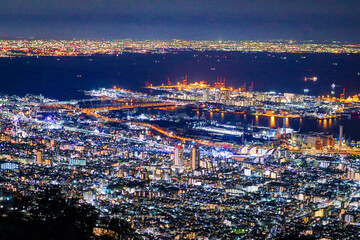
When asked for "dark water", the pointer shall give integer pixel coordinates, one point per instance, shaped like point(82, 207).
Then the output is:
point(351, 124)
point(64, 77)
point(59, 77)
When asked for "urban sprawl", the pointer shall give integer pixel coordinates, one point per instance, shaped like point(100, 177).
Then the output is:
point(162, 162)
point(75, 47)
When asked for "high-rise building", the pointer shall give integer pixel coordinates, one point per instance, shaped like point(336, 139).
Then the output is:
point(195, 157)
point(39, 159)
point(340, 135)
point(178, 155)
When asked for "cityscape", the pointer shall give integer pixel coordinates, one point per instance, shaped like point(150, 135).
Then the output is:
point(175, 120)
point(31, 47)
point(163, 163)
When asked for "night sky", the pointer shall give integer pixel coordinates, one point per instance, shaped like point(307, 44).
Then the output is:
point(182, 19)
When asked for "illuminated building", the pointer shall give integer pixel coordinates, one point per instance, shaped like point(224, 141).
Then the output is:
point(340, 135)
point(195, 157)
point(320, 213)
point(47, 162)
point(178, 155)
point(9, 166)
point(39, 159)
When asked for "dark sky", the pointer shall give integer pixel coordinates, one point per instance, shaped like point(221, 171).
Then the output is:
point(184, 19)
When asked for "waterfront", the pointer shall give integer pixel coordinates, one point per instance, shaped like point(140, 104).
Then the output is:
point(170, 171)
point(62, 77)
point(350, 122)
point(74, 75)
point(351, 125)
point(185, 160)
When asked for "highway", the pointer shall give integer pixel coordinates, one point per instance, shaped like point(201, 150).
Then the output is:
point(326, 151)
point(94, 112)
point(131, 105)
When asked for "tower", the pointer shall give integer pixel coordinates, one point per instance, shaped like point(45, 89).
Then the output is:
point(340, 135)
point(284, 124)
point(251, 88)
point(185, 80)
point(178, 155)
point(169, 82)
point(39, 159)
point(342, 95)
point(195, 157)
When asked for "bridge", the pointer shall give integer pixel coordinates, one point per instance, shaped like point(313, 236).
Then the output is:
point(132, 105)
